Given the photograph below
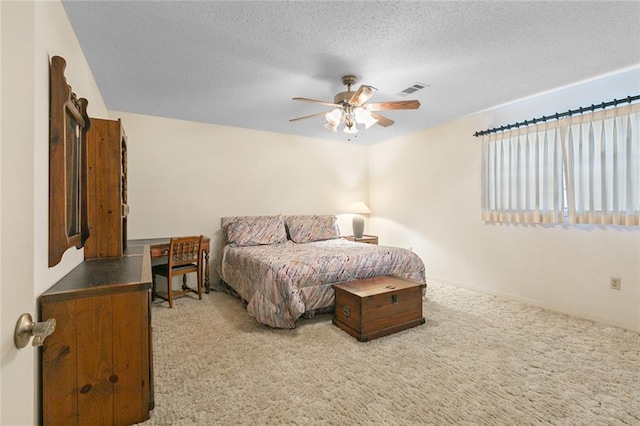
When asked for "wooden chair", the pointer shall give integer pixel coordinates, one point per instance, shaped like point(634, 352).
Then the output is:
point(185, 256)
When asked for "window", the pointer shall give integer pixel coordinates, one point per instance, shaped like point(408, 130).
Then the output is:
point(581, 169)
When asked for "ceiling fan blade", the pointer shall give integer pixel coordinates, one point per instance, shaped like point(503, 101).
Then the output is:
point(382, 121)
point(310, 116)
point(362, 95)
point(392, 105)
point(313, 101)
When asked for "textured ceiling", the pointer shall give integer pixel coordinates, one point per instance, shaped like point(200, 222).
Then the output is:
point(239, 63)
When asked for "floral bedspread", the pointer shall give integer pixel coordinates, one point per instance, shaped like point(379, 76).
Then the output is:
point(280, 282)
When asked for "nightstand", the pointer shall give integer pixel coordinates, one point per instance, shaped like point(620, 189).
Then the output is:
point(367, 239)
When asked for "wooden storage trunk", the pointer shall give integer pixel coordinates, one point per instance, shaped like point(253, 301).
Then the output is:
point(378, 306)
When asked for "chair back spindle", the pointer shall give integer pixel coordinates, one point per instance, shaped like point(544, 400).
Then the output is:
point(185, 256)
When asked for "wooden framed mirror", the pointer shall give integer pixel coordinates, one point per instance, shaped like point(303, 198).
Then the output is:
point(68, 125)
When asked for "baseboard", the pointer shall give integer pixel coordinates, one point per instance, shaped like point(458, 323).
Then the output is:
point(544, 305)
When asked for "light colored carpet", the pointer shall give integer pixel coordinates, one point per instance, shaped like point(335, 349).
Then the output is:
point(478, 360)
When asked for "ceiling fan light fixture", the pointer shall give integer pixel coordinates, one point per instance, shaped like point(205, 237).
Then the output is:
point(370, 121)
point(350, 128)
point(363, 116)
point(331, 126)
point(334, 116)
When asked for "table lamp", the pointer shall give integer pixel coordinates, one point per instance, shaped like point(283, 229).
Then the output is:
point(358, 208)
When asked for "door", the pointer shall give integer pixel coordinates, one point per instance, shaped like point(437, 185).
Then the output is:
point(17, 367)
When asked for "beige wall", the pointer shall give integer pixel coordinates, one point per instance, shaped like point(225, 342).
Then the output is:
point(54, 37)
point(425, 194)
point(31, 32)
point(184, 176)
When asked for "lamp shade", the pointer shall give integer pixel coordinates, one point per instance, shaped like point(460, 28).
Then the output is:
point(359, 207)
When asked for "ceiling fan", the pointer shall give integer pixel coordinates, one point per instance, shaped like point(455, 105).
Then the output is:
point(351, 108)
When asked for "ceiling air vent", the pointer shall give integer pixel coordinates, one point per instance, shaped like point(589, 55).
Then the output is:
point(413, 89)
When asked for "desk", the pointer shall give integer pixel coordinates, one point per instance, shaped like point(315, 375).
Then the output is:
point(159, 247)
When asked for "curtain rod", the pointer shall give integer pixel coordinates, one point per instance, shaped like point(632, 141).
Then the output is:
point(558, 116)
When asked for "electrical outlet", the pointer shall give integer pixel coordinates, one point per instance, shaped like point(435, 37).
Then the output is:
point(616, 283)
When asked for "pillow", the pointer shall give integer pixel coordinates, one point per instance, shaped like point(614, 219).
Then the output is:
point(257, 230)
point(309, 228)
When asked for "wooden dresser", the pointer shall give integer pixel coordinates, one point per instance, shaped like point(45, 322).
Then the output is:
point(97, 367)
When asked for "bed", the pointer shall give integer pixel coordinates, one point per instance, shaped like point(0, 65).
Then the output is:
point(283, 267)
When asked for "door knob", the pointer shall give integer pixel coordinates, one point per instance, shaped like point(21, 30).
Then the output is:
point(25, 328)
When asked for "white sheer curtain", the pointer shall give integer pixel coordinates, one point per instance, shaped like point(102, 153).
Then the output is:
point(583, 169)
point(602, 167)
point(522, 176)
